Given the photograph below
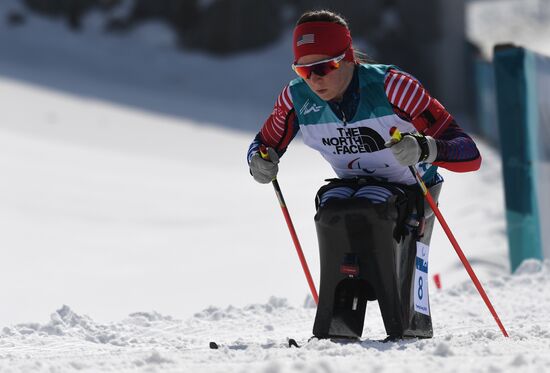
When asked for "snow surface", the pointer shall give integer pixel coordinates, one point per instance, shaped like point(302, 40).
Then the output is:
point(125, 195)
point(253, 338)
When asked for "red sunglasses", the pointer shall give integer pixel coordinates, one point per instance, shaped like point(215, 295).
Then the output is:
point(320, 68)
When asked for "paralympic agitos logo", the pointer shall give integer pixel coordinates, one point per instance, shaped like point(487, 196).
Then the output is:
point(355, 140)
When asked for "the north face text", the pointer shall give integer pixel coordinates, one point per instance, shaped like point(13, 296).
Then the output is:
point(355, 140)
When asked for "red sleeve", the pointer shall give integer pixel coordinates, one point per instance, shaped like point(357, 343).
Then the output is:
point(280, 127)
point(456, 151)
point(413, 103)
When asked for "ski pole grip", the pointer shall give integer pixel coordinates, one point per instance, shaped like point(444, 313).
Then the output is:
point(395, 134)
point(263, 152)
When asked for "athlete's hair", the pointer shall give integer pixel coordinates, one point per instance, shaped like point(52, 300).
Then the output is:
point(325, 15)
point(322, 16)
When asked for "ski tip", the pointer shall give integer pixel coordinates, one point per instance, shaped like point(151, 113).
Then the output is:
point(213, 346)
point(292, 343)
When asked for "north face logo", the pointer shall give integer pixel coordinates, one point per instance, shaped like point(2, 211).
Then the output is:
point(355, 140)
point(371, 139)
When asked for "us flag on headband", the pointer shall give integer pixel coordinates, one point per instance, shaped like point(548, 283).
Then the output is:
point(306, 39)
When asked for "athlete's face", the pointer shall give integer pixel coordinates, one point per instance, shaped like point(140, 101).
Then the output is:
point(332, 85)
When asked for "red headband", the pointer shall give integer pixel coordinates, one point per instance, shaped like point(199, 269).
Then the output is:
point(327, 38)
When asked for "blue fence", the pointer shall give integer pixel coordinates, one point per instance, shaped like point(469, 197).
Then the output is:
point(522, 84)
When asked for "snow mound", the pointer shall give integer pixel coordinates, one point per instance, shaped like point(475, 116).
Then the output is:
point(533, 266)
point(274, 304)
point(66, 323)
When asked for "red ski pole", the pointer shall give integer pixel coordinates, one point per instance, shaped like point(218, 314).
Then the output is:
point(282, 203)
point(396, 136)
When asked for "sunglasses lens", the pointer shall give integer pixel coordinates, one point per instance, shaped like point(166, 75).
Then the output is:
point(303, 71)
point(324, 68)
point(320, 69)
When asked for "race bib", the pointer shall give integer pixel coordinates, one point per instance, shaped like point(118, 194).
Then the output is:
point(421, 303)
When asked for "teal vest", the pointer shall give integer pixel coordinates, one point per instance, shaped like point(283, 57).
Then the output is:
point(373, 102)
point(355, 147)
